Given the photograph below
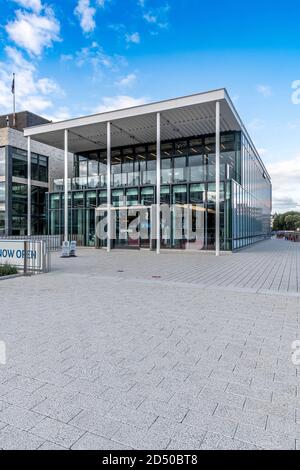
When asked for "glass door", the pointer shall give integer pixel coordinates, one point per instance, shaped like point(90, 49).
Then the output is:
point(147, 199)
point(179, 203)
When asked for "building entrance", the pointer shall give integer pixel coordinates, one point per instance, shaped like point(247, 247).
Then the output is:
point(130, 227)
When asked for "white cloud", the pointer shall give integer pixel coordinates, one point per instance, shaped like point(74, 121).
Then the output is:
point(285, 204)
point(256, 124)
point(95, 56)
point(134, 38)
point(37, 104)
point(157, 16)
point(119, 102)
point(66, 57)
point(34, 5)
point(127, 81)
point(150, 18)
point(32, 92)
point(264, 90)
point(47, 86)
point(285, 176)
point(86, 14)
point(34, 32)
point(60, 114)
point(262, 151)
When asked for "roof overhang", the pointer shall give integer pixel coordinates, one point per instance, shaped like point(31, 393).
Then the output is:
point(180, 117)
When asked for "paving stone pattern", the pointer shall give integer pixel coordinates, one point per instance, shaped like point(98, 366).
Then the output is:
point(199, 358)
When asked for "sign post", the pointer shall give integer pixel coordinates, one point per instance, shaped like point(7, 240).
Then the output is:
point(73, 248)
point(65, 249)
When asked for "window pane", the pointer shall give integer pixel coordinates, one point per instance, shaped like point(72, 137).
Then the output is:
point(181, 148)
point(147, 196)
point(179, 169)
point(180, 194)
point(2, 192)
point(197, 168)
point(197, 193)
point(2, 161)
point(117, 197)
point(19, 163)
point(132, 197)
point(166, 170)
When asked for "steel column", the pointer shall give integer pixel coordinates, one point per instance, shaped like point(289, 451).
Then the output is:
point(217, 235)
point(28, 186)
point(108, 185)
point(66, 192)
point(158, 151)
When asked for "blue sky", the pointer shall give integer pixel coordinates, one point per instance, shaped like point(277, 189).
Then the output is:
point(83, 56)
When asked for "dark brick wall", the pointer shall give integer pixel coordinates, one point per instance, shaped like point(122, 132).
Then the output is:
point(23, 119)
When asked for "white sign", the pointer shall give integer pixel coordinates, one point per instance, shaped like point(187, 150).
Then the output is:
point(65, 249)
point(13, 252)
point(73, 248)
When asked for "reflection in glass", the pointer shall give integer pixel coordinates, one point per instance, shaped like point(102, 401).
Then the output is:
point(179, 169)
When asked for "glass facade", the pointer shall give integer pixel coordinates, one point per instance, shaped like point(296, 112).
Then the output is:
point(251, 200)
point(187, 180)
point(2, 189)
point(39, 165)
point(19, 209)
point(13, 191)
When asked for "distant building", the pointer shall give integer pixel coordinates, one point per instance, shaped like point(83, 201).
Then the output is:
point(14, 172)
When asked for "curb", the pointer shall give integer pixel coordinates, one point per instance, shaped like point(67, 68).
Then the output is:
point(12, 276)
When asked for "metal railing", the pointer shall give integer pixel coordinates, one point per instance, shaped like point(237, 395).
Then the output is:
point(27, 256)
point(53, 242)
point(37, 257)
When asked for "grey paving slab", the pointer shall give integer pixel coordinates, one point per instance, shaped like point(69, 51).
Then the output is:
point(47, 445)
point(93, 442)
point(140, 439)
point(57, 432)
point(57, 409)
point(265, 438)
point(20, 418)
point(199, 358)
point(95, 422)
point(12, 438)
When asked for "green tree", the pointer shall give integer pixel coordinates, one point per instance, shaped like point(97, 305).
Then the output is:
point(287, 221)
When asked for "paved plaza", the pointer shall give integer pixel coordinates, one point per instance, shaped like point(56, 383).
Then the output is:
point(133, 350)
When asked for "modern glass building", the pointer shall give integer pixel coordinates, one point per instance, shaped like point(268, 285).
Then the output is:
point(191, 155)
point(14, 177)
point(20, 177)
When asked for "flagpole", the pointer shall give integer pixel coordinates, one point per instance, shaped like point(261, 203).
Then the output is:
point(14, 100)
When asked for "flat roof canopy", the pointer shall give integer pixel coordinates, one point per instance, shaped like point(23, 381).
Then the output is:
point(180, 117)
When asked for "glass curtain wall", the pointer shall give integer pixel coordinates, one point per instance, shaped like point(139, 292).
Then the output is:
point(2, 189)
point(251, 200)
point(187, 177)
point(39, 165)
point(19, 209)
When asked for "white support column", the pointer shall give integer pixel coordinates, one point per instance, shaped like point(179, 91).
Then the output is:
point(28, 186)
point(158, 183)
point(217, 235)
point(108, 186)
point(66, 211)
